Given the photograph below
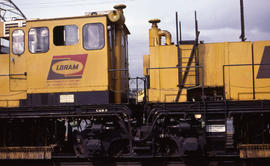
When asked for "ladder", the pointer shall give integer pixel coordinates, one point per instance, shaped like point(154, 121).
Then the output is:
point(190, 67)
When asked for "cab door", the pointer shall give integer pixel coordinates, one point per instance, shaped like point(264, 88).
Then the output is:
point(18, 74)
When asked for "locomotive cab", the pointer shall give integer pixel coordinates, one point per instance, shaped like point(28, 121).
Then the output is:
point(65, 66)
point(76, 60)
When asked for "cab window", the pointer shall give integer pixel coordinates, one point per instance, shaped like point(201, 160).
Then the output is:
point(38, 40)
point(18, 42)
point(93, 36)
point(65, 35)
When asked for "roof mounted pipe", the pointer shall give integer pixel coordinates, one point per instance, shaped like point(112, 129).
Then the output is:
point(155, 34)
point(167, 35)
point(117, 15)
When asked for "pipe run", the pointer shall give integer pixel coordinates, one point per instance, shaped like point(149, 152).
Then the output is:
point(155, 34)
point(167, 35)
point(119, 32)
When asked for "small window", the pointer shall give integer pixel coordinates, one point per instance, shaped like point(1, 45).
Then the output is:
point(93, 36)
point(65, 35)
point(38, 40)
point(18, 42)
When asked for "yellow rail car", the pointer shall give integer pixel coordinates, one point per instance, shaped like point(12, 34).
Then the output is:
point(76, 60)
point(64, 93)
point(231, 79)
point(232, 70)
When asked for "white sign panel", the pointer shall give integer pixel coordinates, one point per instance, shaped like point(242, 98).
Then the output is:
point(67, 98)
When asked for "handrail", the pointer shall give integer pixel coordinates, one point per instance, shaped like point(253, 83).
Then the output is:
point(181, 67)
point(241, 65)
point(24, 74)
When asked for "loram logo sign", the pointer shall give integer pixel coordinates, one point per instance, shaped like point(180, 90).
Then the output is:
point(67, 67)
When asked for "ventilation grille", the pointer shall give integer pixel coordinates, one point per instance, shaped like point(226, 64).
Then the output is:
point(98, 13)
point(12, 24)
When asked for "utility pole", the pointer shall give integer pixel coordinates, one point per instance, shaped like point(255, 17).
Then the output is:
point(243, 36)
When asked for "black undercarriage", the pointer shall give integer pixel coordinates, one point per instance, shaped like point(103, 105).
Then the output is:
point(205, 129)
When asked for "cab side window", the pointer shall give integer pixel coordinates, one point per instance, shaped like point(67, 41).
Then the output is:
point(65, 35)
point(18, 42)
point(38, 40)
point(93, 36)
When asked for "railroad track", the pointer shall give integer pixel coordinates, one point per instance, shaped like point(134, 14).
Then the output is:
point(89, 163)
point(120, 164)
point(136, 162)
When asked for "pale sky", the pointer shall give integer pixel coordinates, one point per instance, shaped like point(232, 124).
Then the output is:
point(219, 20)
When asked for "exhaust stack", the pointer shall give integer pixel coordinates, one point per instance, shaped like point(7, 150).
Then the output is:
point(119, 19)
point(155, 34)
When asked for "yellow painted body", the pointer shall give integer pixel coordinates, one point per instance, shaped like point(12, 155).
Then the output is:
point(1, 29)
point(237, 79)
point(8, 97)
point(28, 73)
point(19, 153)
point(254, 151)
point(38, 64)
point(164, 81)
point(227, 65)
point(262, 85)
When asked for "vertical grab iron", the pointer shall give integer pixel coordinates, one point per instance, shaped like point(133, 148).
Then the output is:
point(196, 53)
point(178, 54)
point(191, 57)
point(243, 35)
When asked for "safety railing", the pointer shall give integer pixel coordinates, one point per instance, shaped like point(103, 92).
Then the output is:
point(183, 83)
point(252, 75)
